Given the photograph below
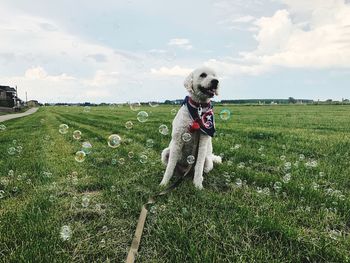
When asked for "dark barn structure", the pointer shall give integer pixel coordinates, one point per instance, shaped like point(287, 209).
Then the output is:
point(8, 97)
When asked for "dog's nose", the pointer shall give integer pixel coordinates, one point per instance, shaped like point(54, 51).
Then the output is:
point(214, 83)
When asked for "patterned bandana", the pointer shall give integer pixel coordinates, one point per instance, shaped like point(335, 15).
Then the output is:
point(204, 119)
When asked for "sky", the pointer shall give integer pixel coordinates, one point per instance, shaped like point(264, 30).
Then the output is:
point(141, 50)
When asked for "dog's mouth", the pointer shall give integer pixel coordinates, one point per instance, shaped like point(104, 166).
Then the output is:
point(209, 92)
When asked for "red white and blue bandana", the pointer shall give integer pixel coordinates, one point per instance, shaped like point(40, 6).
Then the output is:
point(201, 120)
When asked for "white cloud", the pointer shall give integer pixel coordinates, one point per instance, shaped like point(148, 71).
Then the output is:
point(243, 19)
point(174, 71)
point(180, 43)
point(315, 35)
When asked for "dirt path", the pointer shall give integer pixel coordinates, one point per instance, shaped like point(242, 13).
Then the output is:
point(17, 115)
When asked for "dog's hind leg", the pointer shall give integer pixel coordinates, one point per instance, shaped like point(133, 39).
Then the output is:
point(174, 155)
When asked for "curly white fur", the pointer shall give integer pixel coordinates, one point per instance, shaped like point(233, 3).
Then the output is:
point(178, 150)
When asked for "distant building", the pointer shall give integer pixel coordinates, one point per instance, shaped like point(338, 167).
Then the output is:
point(8, 97)
point(32, 103)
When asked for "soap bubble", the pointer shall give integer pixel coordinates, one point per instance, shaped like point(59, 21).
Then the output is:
point(283, 157)
point(131, 155)
point(153, 104)
point(149, 143)
point(301, 157)
point(80, 156)
point(87, 109)
point(335, 234)
point(19, 148)
point(287, 166)
point(11, 151)
point(65, 233)
point(173, 111)
point(77, 135)
point(143, 158)
point(163, 129)
point(2, 194)
point(86, 147)
point(114, 161)
point(191, 159)
point(11, 173)
point(114, 141)
point(63, 128)
point(277, 186)
point(2, 127)
point(135, 106)
point(129, 125)
point(238, 182)
point(286, 178)
point(85, 201)
point(142, 116)
point(186, 137)
point(121, 161)
point(225, 114)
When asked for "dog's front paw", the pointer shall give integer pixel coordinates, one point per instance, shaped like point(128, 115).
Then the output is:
point(208, 166)
point(198, 182)
point(164, 182)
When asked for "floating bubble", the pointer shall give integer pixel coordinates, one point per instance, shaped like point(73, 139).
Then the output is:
point(186, 137)
point(129, 125)
point(77, 135)
point(173, 111)
point(114, 141)
point(153, 104)
point(191, 159)
point(239, 182)
point(283, 157)
point(163, 129)
point(286, 178)
point(301, 157)
point(2, 194)
point(19, 149)
point(114, 161)
point(149, 143)
point(87, 109)
point(63, 128)
point(143, 158)
point(135, 106)
point(142, 116)
point(11, 173)
point(335, 234)
point(131, 155)
point(86, 147)
point(2, 127)
point(241, 165)
point(321, 174)
point(14, 142)
point(121, 161)
point(11, 151)
point(287, 166)
point(315, 186)
point(225, 114)
point(85, 201)
point(65, 233)
point(80, 156)
point(277, 186)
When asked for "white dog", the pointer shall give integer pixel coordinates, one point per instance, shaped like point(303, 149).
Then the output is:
point(196, 113)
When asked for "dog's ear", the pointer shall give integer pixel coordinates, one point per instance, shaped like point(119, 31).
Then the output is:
point(188, 83)
point(217, 91)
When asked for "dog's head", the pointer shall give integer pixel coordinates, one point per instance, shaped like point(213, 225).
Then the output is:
point(202, 84)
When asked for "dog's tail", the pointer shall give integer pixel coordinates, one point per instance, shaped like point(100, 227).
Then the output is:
point(165, 156)
point(217, 159)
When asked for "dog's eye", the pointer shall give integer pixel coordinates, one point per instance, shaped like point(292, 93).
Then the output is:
point(203, 75)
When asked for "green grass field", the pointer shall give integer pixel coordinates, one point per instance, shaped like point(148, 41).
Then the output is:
point(250, 210)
